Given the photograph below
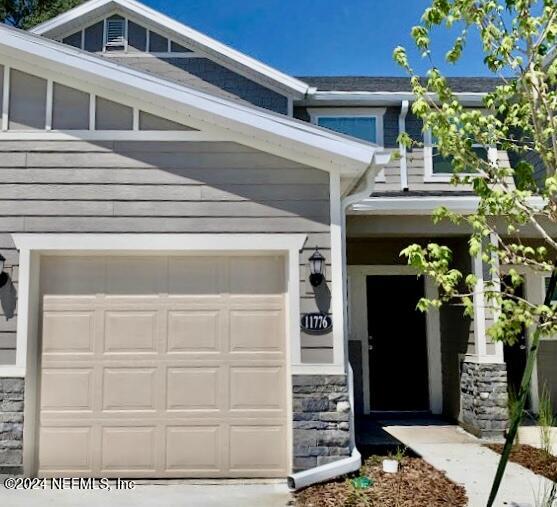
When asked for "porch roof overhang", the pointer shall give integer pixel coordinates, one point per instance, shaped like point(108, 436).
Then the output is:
point(422, 204)
point(258, 128)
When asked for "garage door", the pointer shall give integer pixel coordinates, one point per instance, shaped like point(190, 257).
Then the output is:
point(163, 367)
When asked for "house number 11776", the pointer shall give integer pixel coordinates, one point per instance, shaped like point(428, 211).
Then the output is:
point(316, 322)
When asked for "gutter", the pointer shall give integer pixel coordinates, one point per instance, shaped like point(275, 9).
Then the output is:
point(402, 129)
point(363, 189)
point(363, 98)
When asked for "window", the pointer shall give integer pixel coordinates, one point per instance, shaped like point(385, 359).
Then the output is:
point(439, 166)
point(115, 33)
point(554, 295)
point(360, 123)
point(361, 127)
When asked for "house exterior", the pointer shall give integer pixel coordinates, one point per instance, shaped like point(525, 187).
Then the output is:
point(161, 195)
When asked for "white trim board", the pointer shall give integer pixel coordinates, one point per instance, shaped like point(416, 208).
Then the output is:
point(255, 127)
point(364, 98)
point(358, 275)
point(157, 242)
point(193, 37)
point(112, 135)
point(422, 205)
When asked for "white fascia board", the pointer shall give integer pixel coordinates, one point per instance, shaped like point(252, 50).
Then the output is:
point(422, 205)
point(322, 98)
point(207, 43)
point(271, 132)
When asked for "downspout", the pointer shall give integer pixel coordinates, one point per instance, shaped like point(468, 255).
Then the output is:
point(402, 148)
point(364, 188)
point(337, 468)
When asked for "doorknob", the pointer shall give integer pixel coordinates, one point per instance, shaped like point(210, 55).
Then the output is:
point(370, 342)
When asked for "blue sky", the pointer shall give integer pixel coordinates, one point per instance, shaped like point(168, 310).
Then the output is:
point(319, 37)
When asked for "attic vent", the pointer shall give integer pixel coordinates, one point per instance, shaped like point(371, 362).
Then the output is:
point(115, 32)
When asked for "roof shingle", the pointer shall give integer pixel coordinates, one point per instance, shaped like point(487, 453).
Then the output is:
point(395, 84)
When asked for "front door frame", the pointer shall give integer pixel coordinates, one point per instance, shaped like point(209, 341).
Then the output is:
point(358, 328)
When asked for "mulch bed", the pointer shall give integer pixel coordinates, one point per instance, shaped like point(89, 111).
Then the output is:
point(417, 484)
point(537, 460)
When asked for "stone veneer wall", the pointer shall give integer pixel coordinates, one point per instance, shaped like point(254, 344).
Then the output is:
point(484, 399)
point(321, 420)
point(11, 425)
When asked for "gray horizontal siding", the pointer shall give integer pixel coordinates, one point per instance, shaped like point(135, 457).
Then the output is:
point(103, 176)
point(158, 187)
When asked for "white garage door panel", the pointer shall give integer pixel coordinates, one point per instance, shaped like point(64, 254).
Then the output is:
point(163, 367)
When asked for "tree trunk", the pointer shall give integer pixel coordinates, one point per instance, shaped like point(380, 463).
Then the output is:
point(522, 396)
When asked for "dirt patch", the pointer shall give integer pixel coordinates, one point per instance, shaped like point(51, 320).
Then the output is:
point(537, 460)
point(417, 484)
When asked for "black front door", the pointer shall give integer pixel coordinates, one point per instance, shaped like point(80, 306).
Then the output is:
point(397, 344)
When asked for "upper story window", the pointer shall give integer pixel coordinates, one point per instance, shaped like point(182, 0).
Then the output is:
point(439, 167)
point(364, 127)
point(360, 123)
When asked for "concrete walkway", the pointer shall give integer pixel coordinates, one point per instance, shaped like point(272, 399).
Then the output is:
point(171, 494)
point(466, 461)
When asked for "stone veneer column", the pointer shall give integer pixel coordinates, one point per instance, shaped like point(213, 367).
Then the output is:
point(11, 425)
point(321, 420)
point(484, 399)
point(483, 381)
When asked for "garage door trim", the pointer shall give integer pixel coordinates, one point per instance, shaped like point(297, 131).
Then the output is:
point(31, 246)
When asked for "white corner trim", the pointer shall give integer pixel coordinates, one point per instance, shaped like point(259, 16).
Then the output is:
point(49, 103)
point(337, 279)
point(166, 23)
point(7, 371)
point(92, 111)
point(401, 147)
point(434, 359)
point(534, 291)
point(24, 306)
point(135, 119)
point(317, 369)
point(478, 322)
point(6, 98)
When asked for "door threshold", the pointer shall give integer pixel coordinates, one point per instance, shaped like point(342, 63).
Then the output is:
point(400, 413)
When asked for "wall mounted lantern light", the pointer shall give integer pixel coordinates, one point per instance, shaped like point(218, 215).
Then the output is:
point(3, 275)
point(316, 268)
